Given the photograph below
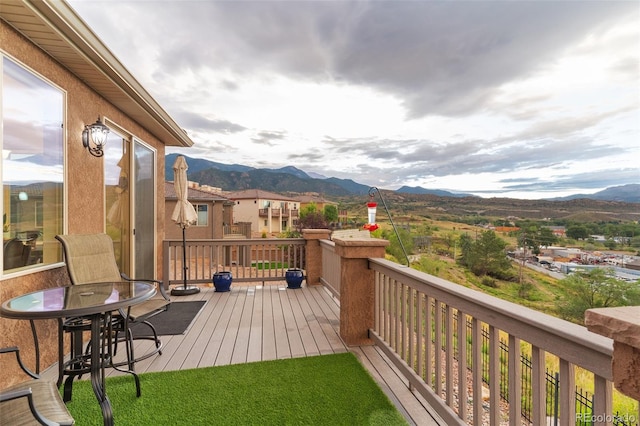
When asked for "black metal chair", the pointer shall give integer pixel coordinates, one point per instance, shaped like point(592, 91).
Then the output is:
point(33, 401)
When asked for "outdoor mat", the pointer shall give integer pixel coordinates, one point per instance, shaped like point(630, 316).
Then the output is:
point(175, 320)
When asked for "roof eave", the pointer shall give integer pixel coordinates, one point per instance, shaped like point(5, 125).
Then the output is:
point(87, 57)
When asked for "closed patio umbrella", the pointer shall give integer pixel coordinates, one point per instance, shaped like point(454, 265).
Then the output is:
point(184, 215)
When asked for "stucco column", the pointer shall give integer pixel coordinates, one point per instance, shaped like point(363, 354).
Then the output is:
point(357, 287)
point(314, 253)
point(622, 324)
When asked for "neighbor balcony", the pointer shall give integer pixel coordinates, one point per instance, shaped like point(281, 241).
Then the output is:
point(278, 212)
point(445, 354)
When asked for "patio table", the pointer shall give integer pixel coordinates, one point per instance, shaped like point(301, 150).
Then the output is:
point(93, 301)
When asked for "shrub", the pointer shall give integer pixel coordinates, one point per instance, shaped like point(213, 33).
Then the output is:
point(489, 282)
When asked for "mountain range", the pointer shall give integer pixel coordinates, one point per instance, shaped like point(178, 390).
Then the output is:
point(237, 177)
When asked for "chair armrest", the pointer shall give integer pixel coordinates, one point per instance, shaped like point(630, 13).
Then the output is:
point(11, 395)
point(159, 284)
point(26, 369)
point(25, 393)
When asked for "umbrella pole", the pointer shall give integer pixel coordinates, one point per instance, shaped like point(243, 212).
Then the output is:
point(184, 291)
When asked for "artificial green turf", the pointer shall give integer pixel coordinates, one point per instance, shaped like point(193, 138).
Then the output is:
point(326, 390)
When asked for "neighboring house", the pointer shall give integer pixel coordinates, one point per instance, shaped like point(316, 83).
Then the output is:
point(57, 78)
point(214, 212)
point(320, 202)
point(266, 211)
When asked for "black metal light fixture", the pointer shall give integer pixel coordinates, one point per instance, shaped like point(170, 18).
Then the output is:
point(94, 137)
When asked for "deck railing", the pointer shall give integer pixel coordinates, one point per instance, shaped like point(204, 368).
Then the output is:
point(330, 267)
point(256, 259)
point(414, 321)
point(416, 324)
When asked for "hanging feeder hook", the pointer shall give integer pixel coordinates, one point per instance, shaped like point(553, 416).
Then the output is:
point(372, 191)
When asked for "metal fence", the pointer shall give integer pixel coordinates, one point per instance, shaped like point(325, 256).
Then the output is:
point(583, 399)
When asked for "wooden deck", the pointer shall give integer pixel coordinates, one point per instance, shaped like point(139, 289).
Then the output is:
point(258, 323)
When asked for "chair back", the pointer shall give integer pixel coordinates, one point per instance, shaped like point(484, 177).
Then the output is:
point(15, 254)
point(90, 258)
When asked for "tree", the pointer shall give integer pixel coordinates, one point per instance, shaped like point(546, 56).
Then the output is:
point(486, 255)
point(596, 288)
point(466, 251)
point(535, 237)
point(311, 218)
point(577, 232)
point(490, 257)
point(450, 239)
point(546, 237)
point(394, 248)
point(330, 213)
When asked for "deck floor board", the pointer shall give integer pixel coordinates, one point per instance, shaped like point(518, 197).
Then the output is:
point(255, 322)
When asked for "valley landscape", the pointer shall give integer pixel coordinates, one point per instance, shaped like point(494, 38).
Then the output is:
point(616, 204)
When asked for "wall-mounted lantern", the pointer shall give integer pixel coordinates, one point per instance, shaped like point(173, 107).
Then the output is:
point(94, 137)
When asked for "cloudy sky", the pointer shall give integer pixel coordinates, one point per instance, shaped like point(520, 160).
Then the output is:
point(527, 99)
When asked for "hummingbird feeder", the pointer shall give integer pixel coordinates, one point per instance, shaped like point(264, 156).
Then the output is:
point(371, 225)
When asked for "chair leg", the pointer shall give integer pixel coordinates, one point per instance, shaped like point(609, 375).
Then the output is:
point(60, 353)
point(129, 344)
point(115, 335)
point(131, 359)
point(155, 336)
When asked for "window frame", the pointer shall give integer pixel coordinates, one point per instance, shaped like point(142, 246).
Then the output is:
point(54, 250)
point(196, 207)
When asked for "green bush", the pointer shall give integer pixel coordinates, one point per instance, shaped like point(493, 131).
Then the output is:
point(487, 281)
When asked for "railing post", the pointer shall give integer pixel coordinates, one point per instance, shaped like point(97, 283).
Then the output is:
point(622, 324)
point(313, 253)
point(357, 287)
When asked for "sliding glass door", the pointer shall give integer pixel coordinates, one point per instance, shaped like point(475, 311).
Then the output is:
point(145, 211)
point(130, 204)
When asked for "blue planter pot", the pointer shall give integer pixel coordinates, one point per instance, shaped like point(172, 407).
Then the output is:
point(294, 277)
point(222, 281)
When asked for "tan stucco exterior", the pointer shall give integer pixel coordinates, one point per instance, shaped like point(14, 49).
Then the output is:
point(84, 182)
point(219, 211)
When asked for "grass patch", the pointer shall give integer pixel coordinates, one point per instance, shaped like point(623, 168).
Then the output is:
point(269, 265)
point(328, 390)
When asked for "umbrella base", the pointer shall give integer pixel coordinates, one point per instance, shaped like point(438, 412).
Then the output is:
point(184, 291)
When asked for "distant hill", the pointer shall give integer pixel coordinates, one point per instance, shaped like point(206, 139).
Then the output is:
point(236, 177)
point(438, 192)
point(351, 186)
point(197, 165)
point(626, 193)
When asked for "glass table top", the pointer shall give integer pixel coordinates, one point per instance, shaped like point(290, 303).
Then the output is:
point(77, 300)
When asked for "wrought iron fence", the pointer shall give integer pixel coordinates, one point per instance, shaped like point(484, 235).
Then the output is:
point(583, 399)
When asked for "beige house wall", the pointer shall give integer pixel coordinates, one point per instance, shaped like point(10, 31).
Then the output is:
point(214, 229)
point(248, 210)
point(85, 211)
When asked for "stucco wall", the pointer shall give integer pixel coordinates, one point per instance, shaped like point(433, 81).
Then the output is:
point(212, 231)
point(85, 189)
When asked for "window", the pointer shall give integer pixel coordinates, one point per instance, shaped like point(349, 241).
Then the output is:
point(203, 214)
point(32, 162)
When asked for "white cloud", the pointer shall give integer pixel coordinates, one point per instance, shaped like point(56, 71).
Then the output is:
point(467, 96)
